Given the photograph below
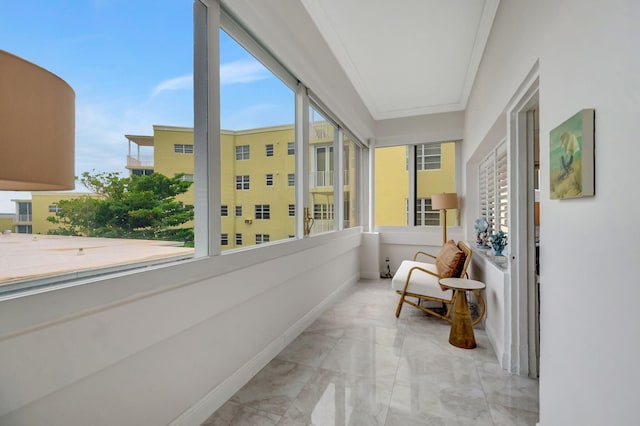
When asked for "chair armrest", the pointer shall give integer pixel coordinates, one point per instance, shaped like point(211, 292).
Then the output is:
point(415, 256)
point(422, 270)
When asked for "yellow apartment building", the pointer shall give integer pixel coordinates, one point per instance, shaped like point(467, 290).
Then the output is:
point(435, 173)
point(257, 177)
point(258, 181)
point(6, 221)
point(31, 215)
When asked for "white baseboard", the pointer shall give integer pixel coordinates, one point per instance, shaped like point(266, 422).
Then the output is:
point(499, 352)
point(202, 409)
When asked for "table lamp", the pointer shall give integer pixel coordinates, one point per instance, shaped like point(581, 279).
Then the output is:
point(37, 128)
point(444, 202)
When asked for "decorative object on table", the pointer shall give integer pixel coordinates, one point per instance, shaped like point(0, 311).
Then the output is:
point(571, 152)
point(444, 202)
point(498, 241)
point(37, 119)
point(482, 230)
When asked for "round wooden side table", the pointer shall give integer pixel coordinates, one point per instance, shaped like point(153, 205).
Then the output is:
point(461, 334)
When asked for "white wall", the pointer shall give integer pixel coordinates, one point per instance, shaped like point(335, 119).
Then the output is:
point(588, 58)
point(420, 129)
point(147, 358)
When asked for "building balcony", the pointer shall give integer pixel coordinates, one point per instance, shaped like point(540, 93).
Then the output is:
point(325, 179)
point(24, 218)
point(139, 162)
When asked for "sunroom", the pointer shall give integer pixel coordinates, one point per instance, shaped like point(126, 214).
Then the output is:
point(169, 343)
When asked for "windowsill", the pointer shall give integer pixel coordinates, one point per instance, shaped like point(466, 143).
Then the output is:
point(500, 262)
point(22, 310)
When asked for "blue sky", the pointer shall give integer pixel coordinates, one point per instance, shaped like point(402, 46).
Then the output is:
point(131, 66)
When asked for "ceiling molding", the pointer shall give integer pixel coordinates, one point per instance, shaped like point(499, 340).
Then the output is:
point(385, 85)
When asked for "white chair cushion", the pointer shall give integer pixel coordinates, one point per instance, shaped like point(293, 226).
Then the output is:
point(421, 282)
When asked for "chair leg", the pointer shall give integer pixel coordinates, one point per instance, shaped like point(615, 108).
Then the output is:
point(399, 305)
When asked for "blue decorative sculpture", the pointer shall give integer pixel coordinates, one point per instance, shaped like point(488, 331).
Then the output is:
point(498, 241)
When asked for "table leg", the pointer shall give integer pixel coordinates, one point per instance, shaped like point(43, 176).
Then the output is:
point(461, 334)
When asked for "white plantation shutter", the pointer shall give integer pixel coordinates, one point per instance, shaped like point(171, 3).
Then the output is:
point(493, 188)
point(502, 189)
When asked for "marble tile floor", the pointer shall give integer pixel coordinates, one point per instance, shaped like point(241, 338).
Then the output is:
point(357, 364)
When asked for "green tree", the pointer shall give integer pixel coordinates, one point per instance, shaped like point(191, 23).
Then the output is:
point(137, 207)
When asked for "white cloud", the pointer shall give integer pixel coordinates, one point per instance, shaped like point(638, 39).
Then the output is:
point(178, 83)
point(246, 71)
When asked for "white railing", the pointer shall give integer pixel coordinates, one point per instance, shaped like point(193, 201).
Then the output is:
point(24, 218)
point(139, 162)
point(322, 179)
point(320, 226)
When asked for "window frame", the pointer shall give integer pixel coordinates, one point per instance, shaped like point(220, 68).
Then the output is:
point(262, 211)
point(243, 152)
point(209, 17)
point(422, 157)
point(243, 182)
point(183, 148)
point(269, 150)
point(263, 238)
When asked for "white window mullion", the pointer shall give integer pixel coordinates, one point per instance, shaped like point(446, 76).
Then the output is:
point(338, 179)
point(302, 158)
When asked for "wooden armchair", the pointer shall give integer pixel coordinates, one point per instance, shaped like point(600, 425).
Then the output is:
point(421, 279)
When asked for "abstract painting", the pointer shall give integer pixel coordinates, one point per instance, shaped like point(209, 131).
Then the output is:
point(571, 150)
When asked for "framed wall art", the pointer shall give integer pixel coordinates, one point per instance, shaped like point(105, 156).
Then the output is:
point(572, 159)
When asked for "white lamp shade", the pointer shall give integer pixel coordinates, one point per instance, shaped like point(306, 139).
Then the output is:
point(444, 201)
point(37, 127)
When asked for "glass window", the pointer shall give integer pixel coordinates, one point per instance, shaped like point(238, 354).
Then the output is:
point(180, 148)
point(257, 111)
point(186, 177)
point(242, 182)
point(427, 156)
point(144, 134)
point(242, 152)
point(322, 134)
point(238, 239)
point(434, 172)
point(224, 210)
point(238, 210)
point(391, 186)
point(224, 239)
point(24, 229)
point(291, 148)
point(263, 211)
point(291, 179)
point(351, 182)
point(425, 215)
point(437, 175)
point(292, 209)
point(262, 238)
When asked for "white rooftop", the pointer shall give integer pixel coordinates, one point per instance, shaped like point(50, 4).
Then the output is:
point(29, 256)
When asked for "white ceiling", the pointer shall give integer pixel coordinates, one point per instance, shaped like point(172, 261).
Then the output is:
point(407, 57)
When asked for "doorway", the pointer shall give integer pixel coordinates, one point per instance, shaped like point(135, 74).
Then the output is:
point(533, 239)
